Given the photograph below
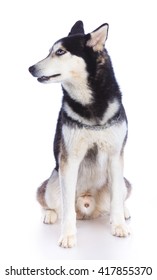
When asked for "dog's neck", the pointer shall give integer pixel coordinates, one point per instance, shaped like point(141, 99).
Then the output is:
point(94, 98)
point(78, 91)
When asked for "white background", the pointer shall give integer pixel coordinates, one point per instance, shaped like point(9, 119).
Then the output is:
point(28, 113)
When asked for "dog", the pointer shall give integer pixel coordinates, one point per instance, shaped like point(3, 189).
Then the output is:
point(91, 132)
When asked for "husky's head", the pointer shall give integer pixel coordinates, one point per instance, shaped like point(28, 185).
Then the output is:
point(70, 57)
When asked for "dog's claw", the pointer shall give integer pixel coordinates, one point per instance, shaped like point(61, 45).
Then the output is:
point(67, 241)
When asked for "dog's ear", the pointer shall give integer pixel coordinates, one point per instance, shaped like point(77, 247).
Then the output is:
point(77, 28)
point(98, 37)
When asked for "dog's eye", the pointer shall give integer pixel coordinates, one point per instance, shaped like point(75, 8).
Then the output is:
point(60, 52)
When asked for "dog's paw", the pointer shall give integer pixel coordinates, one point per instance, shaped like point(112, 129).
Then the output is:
point(50, 217)
point(120, 230)
point(68, 241)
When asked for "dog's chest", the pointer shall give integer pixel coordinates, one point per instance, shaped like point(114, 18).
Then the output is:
point(107, 140)
point(94, 169)
point(94, 148)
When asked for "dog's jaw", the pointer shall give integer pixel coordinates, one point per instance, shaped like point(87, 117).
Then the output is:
point(45, 79)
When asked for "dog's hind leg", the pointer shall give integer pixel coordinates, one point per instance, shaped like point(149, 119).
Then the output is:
point(126, 213)
point(129, 189)
point(41, 194)
point(48, 195)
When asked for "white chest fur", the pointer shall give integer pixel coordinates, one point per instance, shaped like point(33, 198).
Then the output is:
point(93, 174)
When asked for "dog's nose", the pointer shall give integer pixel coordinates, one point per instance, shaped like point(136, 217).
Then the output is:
point(32, 69)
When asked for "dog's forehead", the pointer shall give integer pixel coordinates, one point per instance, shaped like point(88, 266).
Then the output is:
point(57, 45)
point(69, 43)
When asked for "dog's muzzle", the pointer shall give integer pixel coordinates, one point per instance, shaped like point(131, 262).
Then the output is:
point(34, 72)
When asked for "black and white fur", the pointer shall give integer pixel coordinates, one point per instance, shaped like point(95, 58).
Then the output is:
point(91, 130)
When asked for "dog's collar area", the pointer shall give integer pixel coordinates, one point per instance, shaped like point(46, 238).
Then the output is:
point(46, 78)
point(116, 119)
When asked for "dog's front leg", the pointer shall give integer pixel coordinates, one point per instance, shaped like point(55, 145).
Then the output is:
point(68, 179)
point(118, 195)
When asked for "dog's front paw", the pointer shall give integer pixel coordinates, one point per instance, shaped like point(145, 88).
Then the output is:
point(68, 241)
point(120, 230)
point(50, 217)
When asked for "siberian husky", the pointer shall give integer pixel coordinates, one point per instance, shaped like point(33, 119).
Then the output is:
point(90, 135)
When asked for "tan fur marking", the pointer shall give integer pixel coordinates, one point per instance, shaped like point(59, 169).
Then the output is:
point(101, 59)
point(75, 74)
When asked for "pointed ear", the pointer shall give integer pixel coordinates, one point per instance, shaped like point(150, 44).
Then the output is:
point(77, 28)
point(98, 37)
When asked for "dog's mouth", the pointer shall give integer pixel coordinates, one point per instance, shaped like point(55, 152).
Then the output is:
point(46, 78)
